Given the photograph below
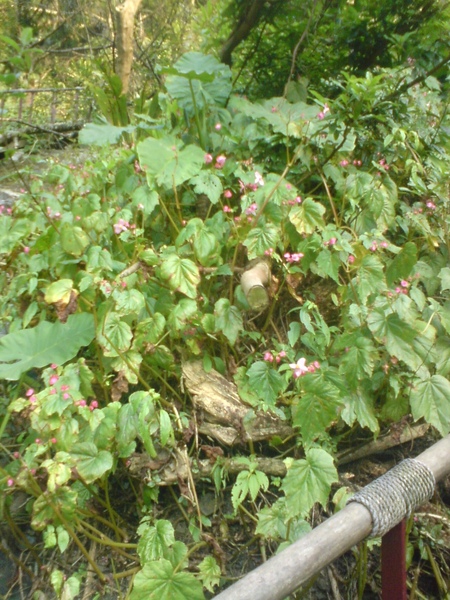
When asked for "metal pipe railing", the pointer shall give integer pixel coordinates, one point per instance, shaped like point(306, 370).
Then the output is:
point(282, 574)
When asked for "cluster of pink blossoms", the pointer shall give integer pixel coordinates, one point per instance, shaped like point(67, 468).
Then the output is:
point(291, 258)
point(403, 288)
point(220, 160)
point(5, 209)
point(300, 368)
point(122, 225)
point(269, 357)
point(374, 246)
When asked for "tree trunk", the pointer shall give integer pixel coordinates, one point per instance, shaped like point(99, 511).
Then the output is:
point(248, 20)
point(124, 43)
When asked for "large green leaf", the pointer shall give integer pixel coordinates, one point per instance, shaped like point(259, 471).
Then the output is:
point(370, 277)
point(159, 580)
point(197, 80)
point(181, 274)
point(101, 134)
point(228, 319)
point(261, 238)
point(430, 399)
point(265, 382)
point(396, 335)
point(168, 163)
point(308, 481)
point(155, 540)
point(74, 240)
point(91, 462)
point(43, 345)
point(359, 406)
point(308, 216)
point(209, 184)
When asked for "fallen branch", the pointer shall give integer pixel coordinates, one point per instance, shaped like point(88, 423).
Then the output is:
point(389, 441)
point(30, 129)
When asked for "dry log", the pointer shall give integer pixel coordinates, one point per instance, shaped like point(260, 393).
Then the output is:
point(384, 443)
point(221, 412)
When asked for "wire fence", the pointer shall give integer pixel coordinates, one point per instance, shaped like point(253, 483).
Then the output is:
point(42, 110)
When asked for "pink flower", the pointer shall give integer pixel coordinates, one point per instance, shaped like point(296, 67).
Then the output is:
point(298, 200)
point(54, 440)
point(53, 379)
point(33, 399)
point(120, 226)
point(54, 366)
point(26, 249)
point(332, 241)
point(10, 482)
point(404, 283)
point(430, 204)
point(299, 368)
point(251, 210)
point(218, 126)
point(220, 161)
point(268, 356)
point(226, 209)
point(344, 163)
point(64, 388)
point(29, 392)
point(268, 252)
point(228, 194)
point(351, 259)
point(282, 354)
point(208, 159)
point(66, 395)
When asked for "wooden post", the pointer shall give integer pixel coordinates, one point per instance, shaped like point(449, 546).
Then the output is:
point(393, 563)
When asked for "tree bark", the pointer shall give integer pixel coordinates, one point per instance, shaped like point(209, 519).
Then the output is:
point(248, 20)
point(126, 13)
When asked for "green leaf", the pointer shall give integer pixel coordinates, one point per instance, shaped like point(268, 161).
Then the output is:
point(328, 264)
point(114, 334)
point(11, 232)
point(316, 408)
point(228, 319)
point(101, 134)
point(209, 184)
point(155, 540)
point(197, 80)
point(206, 247)
point(43, 345)
point(308, 216)
point(370, 277)
point(358, 406)
point(209, 573)
point(182, 313)
point(396, 335)
point(159, 580)
point(358, 360)
point(444, 276)
point(430, 399)
point(308, 481)
point(402, 265)
point(74, 240)
point(181, 274)
point(91, 463)
point(167, 163)
point(261, 238)
point(265, 382)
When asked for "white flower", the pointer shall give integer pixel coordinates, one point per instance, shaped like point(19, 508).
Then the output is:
point(299, 367)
